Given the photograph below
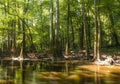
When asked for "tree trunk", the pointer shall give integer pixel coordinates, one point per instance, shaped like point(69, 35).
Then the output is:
point(57, 48)
point(89, 31)
point(51, 27)
point(41, 23)
point(85, 29)
point(14, 35)
point(72, 30)
point(81, 34)
point(24, 29)
point(23, 38)
point(97, 32)
point(99, 36)
point(67, 31)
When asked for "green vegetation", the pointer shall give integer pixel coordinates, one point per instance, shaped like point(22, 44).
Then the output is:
point(58, 26)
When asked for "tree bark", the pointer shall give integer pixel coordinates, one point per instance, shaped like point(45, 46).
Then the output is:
point(97, 32)
point(81, 34)
point(57, 46)
point(85, 29)
point(72, 30)
point(23, 38)
point(51, 27)
point(67, 30)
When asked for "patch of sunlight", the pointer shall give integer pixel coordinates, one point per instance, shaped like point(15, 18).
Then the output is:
point(1, 69)
point(6, 81)
point(73, 77)
point(51, 76)
point(101, 71)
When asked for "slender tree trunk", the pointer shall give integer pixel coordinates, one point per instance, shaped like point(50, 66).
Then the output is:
point(9, 30)
point(99, 36)
point(14, 35)
point(41, 23)
point(81, 34)
point(24, 30)
point(97, 32)
point(89, 31)
point(24, 37)
point(51, 27)
point(2, 45)
point(19, 33)
point(72, 30)
point(9, 39)
point(117, 44)
point(67, 31)
point(57, 48)
point(85, 30)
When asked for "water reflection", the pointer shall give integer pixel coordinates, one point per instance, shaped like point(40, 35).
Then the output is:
point(36, 72)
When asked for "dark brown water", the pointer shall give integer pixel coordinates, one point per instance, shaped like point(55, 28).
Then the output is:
point(36, 72)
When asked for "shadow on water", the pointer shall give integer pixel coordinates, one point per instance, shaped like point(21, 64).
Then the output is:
point(42, 72)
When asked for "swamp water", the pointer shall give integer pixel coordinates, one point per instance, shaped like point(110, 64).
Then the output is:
point(36, 72)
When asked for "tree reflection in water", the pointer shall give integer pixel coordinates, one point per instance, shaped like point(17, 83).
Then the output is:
point(35, 72)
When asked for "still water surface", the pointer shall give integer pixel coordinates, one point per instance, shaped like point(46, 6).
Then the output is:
point(36, 72)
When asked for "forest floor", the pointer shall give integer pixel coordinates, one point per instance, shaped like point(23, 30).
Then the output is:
point(74, 55)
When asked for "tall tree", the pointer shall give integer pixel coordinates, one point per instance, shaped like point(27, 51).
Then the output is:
point(67, 30)
point(51, 26)
point(97, 32)
point(85, 29)
point(25, 9)
point(57, 46)
point(72, 33)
